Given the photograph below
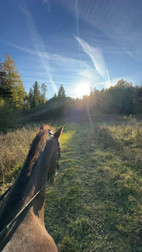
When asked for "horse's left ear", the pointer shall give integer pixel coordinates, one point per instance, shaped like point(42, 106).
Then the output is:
point(58, 133)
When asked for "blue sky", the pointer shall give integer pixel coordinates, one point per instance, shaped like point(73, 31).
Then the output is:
point(75, 43)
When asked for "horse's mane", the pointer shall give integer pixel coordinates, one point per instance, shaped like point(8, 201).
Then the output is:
point(36, 146)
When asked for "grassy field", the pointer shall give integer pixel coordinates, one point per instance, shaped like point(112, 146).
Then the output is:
point(95, 202)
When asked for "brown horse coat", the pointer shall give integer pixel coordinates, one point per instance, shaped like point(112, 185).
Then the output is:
point(28, 233)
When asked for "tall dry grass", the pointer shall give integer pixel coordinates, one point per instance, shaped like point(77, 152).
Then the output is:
point(14, 147)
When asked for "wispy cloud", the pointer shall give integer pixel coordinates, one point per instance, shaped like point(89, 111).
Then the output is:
point(96, 57)
point(107, 84)
point(118, 21)
point(47, 4)
point(89, 74)
point(113, 82)
point(46, 1)
point(56, 59)
point(27, 50)
point(38, 44)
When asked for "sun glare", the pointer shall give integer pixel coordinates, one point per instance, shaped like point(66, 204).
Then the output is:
point(82, 89)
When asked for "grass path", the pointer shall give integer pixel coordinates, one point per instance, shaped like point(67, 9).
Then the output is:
point(95, 202)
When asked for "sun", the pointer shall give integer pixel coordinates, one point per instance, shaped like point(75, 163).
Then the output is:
point(82, 89)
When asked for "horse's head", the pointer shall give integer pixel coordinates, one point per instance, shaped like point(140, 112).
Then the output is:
point(55, 151)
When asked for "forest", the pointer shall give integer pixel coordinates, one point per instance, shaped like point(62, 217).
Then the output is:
point(123, 98)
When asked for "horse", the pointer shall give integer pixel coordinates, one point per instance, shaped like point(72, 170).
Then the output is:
point(22, 227)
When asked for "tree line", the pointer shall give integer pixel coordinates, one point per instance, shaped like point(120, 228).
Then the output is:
point(12, 92)
point(123, 98)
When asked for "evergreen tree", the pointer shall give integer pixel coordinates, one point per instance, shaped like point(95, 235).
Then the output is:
point(36, 94)
point(4, 88)
point(61, 92)
point(31, 98)
point(43, 92)
point(11, 83)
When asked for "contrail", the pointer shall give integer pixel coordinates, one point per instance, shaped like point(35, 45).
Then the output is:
point(77, 27)
point(77, 23)
point(38, 44)
point(96, 56)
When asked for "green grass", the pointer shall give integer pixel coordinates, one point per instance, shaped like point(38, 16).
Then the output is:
point(95, 202)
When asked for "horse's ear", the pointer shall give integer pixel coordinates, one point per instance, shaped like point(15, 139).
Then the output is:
point(42, 127)
point(58, 133)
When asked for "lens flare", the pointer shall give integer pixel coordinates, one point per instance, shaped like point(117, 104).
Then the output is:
point(82, 89)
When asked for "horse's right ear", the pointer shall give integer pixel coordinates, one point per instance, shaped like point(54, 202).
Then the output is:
point(58, 133)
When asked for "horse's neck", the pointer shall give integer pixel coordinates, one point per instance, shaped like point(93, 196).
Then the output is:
point(38, 203)
point(39, 180)
point(23, 190)
point(36, 181)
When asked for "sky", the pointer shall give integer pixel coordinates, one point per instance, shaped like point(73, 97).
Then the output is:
point(76, 43)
